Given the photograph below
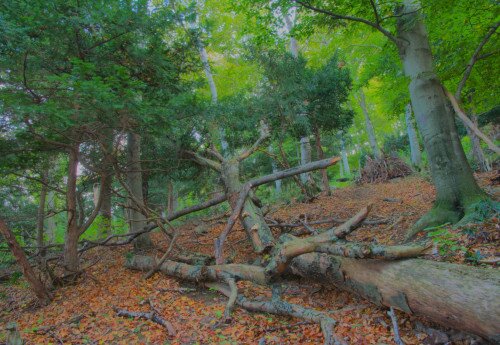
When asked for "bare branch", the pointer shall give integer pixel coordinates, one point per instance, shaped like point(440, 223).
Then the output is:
point(461, 114)
point(95, 211)
point(474, 58)
point(264, 135)
point(204, 161)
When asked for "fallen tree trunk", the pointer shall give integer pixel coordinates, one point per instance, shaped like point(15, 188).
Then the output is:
point(453, 295)
point(456, 296)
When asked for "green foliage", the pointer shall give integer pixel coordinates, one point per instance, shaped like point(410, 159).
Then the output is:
point(446, 241)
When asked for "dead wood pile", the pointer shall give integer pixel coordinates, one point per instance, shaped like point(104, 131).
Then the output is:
point(384, 169)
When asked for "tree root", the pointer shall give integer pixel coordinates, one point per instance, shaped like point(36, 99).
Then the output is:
point(280, 307)
point(435, 217)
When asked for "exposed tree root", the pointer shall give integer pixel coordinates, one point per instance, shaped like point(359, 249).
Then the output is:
point(441, 214)
point(280, 307)
point(435, 217)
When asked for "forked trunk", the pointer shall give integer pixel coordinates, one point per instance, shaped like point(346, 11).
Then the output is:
point(456, 189)
point(251, 216)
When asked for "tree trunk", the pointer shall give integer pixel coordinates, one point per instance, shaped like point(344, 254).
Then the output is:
point(213, 91)
point(416, 156)
point(369, 126)
point(71, 239)
point(105, 207)
point(40, 218)
point(251, 216)
point(274, 168)
point(452, 295)
point(477, 151)
point(321, 155)
point(345, 162)
point(171, 198)
point(134, 180)
point(457, 192)
point(51, 221)
point(305, 145)
point(36, 285)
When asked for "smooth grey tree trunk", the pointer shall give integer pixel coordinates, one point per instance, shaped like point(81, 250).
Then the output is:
point(369, 126)
point(477, 150)
point(274, 167)
point(134, 180)
point(345, 161)
point(416, 155)
point(213, 93)
point(305, 143)
point(456, 189)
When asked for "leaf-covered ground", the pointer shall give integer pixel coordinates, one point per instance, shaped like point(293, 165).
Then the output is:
point(83, 313)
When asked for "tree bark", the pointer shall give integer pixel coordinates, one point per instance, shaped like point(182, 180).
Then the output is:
point(40, 218)
point(321, 155)
point(456, 189)
point(452, 295)
point(345, 161)
point(477, 150)
point(213, 91)
point(51, 222)
point(416, 156)
point(105, 208)
point(171, 198)
point(71, 239)
point(105, 211)
point(37, 286)
point(251, 216)
point(134, 180)
point(305, 144)
point(274, 167)
point(369, 126)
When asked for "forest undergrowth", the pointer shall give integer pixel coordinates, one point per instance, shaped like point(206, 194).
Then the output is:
point(84, 313)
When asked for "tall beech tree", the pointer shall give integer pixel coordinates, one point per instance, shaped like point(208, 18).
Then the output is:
point(458, 194)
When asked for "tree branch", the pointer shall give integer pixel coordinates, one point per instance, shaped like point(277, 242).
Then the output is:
point(95, 211)
point(264, 135)
point(474, 58)
point(461, 114)
point(376, 26)
point(219, 242)
point(204, 161)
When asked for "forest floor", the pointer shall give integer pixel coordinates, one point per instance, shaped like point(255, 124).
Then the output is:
point(83, 313)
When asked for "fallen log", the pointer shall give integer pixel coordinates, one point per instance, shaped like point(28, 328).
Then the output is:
point(456, 296)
